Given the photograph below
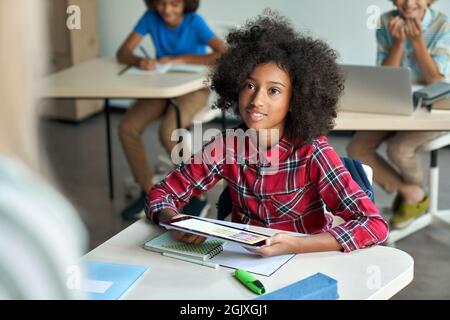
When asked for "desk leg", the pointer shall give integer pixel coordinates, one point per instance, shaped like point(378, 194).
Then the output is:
point(109, 150)
point(176, 106)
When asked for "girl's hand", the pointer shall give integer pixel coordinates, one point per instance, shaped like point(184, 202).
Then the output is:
point(184, 236)
point(413, 29)
point(147, 64)
point(397, 29)
point(278, 244)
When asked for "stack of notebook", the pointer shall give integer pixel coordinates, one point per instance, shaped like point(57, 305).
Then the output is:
point(165, 243)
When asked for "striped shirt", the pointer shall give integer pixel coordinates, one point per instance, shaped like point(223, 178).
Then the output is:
point(299, 194)
point(41, 238)
point(436, 32)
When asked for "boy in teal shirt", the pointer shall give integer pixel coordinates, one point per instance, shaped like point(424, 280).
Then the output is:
point(417, 37)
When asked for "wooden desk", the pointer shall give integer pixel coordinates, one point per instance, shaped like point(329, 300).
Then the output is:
point(420, 120)
point(99, 79)
point(173, 279)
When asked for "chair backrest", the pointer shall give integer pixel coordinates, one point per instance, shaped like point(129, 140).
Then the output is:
point(437, 143)
point(362, 174)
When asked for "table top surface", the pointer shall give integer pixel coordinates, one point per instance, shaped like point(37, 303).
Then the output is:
point(99, 78)
point(420, 120)
point(374, 273)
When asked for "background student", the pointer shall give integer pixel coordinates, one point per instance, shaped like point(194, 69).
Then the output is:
point(418, 37)
point(41, 236)
point(180, 36)
point(269, 76)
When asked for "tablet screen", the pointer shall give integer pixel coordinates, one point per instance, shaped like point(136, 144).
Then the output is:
point(221, 231)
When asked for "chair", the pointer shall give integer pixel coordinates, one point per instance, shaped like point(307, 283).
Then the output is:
point(362, 177)
point(434, 213)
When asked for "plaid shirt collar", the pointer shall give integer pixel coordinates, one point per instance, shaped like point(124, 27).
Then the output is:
point(280, 151)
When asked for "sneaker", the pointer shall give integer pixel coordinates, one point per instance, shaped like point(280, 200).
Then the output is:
point(196, 207)
point(134, 211)
point(407, 213)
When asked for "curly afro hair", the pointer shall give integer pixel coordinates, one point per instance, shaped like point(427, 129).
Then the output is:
point(317, 80)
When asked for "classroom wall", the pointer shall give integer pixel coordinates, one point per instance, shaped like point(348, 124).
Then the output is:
point(342, 23)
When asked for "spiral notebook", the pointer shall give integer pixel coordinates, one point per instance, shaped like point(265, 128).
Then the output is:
point(166, 243)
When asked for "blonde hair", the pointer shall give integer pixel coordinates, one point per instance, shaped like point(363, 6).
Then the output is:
point(21, 63)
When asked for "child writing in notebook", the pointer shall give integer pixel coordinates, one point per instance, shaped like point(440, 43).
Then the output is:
point(179, 35)
point(285, 86)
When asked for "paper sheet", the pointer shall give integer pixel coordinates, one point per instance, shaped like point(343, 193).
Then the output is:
point(96, 286)
point(237, 257)
point(168, 67)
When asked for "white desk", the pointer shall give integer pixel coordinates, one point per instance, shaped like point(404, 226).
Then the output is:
point(175, 280)
point(99, 79)
point(420, 120)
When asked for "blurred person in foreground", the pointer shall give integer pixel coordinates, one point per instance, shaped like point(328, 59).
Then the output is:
point(41, 236)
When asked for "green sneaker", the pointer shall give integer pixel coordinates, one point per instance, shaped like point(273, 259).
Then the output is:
point(407, 213)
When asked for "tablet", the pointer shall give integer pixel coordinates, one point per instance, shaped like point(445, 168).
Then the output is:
point(209, 229)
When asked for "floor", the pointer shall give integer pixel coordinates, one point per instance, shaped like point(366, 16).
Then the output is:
point(76, 153)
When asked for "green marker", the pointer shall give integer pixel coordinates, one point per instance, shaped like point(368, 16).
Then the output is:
point(248, 280)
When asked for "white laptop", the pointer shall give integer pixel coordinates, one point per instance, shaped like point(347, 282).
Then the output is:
point(377, 89)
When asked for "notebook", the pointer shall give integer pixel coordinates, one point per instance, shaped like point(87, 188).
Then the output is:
point(168, 68)
point(166, 243)
point(110, 281)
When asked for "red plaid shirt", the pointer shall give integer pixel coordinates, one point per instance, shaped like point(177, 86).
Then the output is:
point(309, 183)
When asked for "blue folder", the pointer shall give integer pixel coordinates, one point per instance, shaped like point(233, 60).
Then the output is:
point(315, 287)
point(121, 275)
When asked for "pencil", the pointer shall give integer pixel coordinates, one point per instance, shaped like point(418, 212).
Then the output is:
point(124, 70)
point(187, 259)
point(145, 52)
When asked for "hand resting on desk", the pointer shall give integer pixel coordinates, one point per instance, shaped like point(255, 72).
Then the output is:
point(282, 243)
point(147, 64)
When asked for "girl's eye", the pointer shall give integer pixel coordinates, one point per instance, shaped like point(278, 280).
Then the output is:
point(274, 91)
point(249, 86)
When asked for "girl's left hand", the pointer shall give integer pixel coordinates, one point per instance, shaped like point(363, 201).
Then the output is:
point(278, 244)
point(413, 29)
